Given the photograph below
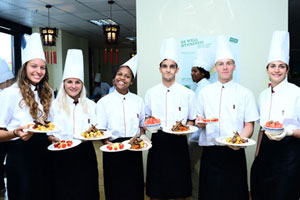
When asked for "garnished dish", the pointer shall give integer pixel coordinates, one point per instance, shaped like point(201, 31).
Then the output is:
point(41, 127)
point(92, 132)
point(152, 124)
point(179, 127)
point(273, 125)
point(236, 140)
point(209, 120)
point(63, 145)
point(115, 147)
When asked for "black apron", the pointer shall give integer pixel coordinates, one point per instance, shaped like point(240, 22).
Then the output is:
point(29, 169)
point(168, 167)
point(275, 173)
point(123, 174)
point(76, 173)
point(223, 174)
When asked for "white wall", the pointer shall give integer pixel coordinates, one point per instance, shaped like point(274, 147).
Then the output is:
point(253, 20)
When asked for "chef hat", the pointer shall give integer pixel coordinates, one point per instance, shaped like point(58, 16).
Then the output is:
point(280, 46)
point(33, 49)
point(223, 49)
point(74, 65)
point(97, 78)
point(169, 50)
point(5, 72)
point(132, 64)
point(204, 59)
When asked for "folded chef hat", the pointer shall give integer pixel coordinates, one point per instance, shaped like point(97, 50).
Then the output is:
point(33, 49)
point(74, 65)
point(97, 78)
point(132, 63)
point(280, 47)
point(223, 49)
point(169, 50)
point(5, 72)
point(204, 59)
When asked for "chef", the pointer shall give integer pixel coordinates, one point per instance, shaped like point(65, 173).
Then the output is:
point(101, 88)
point(29, 173)
point(200, 75)
point(168, 167)
point(6, 80)
point(275, 171)
point(122, 113)
point(223, 171)
point(74, 114)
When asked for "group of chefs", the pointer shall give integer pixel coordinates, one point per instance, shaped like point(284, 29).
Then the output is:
point(35, 173)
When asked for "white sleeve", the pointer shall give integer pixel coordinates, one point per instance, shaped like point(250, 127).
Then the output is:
point(148, 111)
point(7, 106)
point(250, 114)
point(192, 107)
point(142, 114)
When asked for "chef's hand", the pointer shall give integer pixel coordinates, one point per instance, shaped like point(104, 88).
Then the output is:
point(201, 125)
point(234, 147)
point(53, 139)
point(106, 141)
point(283, 134)
point(24, 135)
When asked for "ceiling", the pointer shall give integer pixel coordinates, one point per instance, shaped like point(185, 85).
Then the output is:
point(72, 16)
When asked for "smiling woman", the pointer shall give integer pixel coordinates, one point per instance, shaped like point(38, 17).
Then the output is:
point(73, 87)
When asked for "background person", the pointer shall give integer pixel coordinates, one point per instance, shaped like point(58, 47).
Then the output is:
point(101, 88)
point(200, 75)
point(28, 163)
point(275, 171)
point(6, 80)
point(122, 113)
point(74, 114)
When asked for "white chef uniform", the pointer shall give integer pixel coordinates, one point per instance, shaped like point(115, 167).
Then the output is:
point(170, 104)
point(81, 121)
point(13, 113)
point(121, 114)
point(232, 103)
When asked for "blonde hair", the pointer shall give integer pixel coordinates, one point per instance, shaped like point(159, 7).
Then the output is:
point(44, 93)
point(62, 99)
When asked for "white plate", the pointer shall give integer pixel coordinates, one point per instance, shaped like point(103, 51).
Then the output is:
point(192, 130)
point(103, 148)
point(107, 134)
point(30, 129)
point(145, 148)
point(75, 143)
point(222, 140)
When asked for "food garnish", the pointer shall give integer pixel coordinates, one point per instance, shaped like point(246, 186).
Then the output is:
point(43, 125)
point(152, 120)
point(115, 146)
point(272, 124)
point(179, 127)
point(236, 139)
point(137, 142)
point(92, 132)
point(63, 144)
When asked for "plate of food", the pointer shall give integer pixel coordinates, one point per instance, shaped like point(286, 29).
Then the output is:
point(115, 147)
point(93, 133)
point(152, 124)
point(180, 129)
point(42, 127)
point(208, 121)
point(274, 126)
point(236, 140)
point(138, 144)
point(63, 145)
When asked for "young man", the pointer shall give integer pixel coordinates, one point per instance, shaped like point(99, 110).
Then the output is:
point(200, 75)
point(168, 167)
point(223, 173)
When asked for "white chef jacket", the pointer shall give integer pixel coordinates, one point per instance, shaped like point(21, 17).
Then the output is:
point(12, 116)
point(194, 137)
point(170, 104)
point(123, 115)
point(232, 103)
point(279, 104)
point(76, 122)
